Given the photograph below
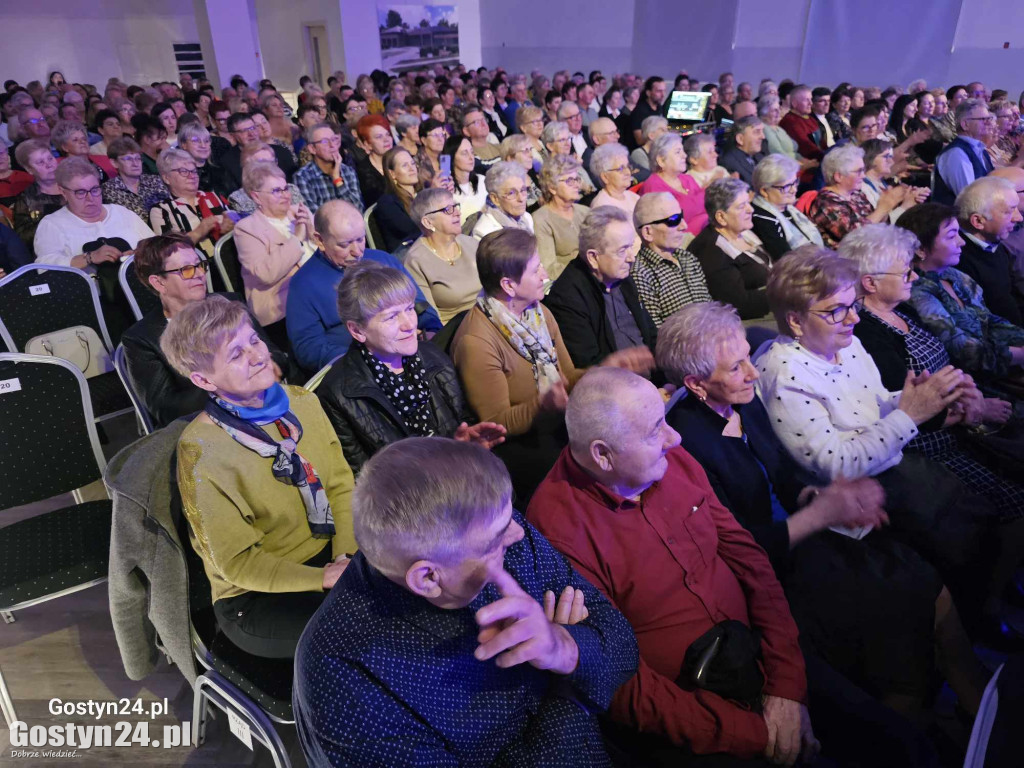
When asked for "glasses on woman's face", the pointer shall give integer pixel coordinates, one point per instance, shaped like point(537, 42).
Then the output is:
point(81, 194)
point(572, 181)
point(187, 173)
point(906, 275)
point(790, 187)
point(276, 191)
point(512, 194)
point(624, 168)
point(448, 210)
point(838, 314)
point(437, 135)
point(671, 222)
point(187, 272)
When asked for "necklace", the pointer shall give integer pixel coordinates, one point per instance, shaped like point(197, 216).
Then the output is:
point(450, 262)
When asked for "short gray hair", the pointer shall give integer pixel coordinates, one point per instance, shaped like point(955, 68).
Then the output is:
point(764, 88)
point(964, 108)
point(417, 498)
point(311, 131)
point(840, 160)
point(64, 130)
point(551, 131)
point(553, 167)
point(980, 196)
point(604, 157)
point(689, 340)
point(773, 169)
point(404, 122)
point(192, 131)
point(195, 335)
point(720, 194)
point(660, 146)
point(650, 125)
point(766, 104)
point(516, 142)
point(171, 157)
point(694, 145)
point(873, 248)
point(751, 121)
point(594, 229)
point(599, 408)
point(256, 173)
point(369, 287)
point(426, 201)
point(504, 171)
point(74, 168)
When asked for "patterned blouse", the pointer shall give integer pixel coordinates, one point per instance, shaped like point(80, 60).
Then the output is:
point(977, 340)
point(835, 216)
point(178, 216)
point(152, 190)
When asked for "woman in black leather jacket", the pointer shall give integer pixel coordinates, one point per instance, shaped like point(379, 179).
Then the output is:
point(389, 386)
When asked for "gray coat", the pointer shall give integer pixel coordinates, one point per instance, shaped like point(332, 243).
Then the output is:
point(148, 576)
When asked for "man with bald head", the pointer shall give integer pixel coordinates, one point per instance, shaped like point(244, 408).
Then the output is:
point(315, 329)
point(636, 515)
point(1014, 241)
point(601, 131)
point(667, 276)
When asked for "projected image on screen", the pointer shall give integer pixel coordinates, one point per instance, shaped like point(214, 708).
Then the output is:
point(689, 106)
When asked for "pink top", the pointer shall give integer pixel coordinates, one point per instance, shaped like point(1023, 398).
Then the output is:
point(691, 203)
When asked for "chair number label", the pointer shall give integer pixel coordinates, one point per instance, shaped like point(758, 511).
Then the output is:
point(10, 385)
point(240, 728)
point(38, 290)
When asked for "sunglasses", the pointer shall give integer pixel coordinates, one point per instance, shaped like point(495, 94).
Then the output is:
point(671, 222)
point(187, 272)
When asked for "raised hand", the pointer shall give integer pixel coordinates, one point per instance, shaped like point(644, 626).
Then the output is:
point(487, 434)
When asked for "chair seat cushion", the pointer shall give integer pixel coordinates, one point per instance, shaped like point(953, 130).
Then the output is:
point(54, 551)
point(268, 682)
point(108, 394)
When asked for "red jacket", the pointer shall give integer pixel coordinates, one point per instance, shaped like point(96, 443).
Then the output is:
point(675, 564)
point(801, 130)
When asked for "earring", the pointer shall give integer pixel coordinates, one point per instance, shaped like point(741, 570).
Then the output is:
point(703, 397)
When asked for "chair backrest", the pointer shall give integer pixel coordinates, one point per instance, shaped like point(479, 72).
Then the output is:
point(470, 222)
point(225, 256)
point(314, 382)
point(140, 298)
point(374, 238)
point(446, 335)
point(43, 298)
point(49, 444)
point(804, 203)
point(121, 366)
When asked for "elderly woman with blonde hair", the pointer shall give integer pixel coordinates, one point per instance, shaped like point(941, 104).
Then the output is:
point(841, 206)
point(903, 608)
point(778, 223)
point(71, 139)
point(508, 192)
point(702, 159)
point(530, 123)
point(264, 484)
point(557, 223)
point(518, 148)
point(198, 213)
point(830, 409)
point(258, 152)
point(651, 128)
point(557, 140)
point(610, 163)
point(272, 244)
point(668, 174)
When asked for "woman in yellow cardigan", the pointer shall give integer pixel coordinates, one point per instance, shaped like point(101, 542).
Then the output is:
point(263, 481)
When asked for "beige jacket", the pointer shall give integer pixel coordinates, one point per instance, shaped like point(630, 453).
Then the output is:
point(268, 260)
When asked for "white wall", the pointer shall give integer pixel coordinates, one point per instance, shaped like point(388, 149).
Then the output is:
point(93, 40)
point(282, 37)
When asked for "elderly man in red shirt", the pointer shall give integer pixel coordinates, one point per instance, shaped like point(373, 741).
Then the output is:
point(804, 128)
point(636, 515)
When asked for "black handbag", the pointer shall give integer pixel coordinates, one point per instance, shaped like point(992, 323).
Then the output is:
point(724, 660)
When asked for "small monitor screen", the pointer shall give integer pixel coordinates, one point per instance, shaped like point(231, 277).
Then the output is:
point(689, 106)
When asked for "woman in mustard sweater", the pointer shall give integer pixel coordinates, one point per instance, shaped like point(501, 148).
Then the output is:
point(263, 481)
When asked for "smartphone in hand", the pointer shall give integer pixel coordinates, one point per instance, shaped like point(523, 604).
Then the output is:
point(446, 165)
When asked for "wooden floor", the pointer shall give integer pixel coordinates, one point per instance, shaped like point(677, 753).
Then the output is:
point(66, 649)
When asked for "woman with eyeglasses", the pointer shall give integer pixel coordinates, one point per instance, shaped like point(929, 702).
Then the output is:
point(197, 213)
point(557, 223)
point(272, 244)
point(778, 223)
point(258, 152)
point(610, 164)
point(518, 149)
point(170, 266)
point(442, 260)
point(530, 123)
point(891, 331)
point(878, 162)
point(828, 406)
point(508, 194)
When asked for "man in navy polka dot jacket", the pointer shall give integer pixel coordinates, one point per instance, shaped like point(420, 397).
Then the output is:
point(434, 649)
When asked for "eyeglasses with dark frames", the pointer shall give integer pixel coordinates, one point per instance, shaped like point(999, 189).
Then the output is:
point(448, 210)
point(839, 314)
point(187, 272)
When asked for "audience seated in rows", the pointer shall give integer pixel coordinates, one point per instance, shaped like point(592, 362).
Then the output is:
point(315, 330)
point(442, 261)
point(199, 213)
point(258, 152)
point(326, 177)
point(132, 187)
point(40, 198)
point(965, 158)
point(777, 222)
point(557, 222)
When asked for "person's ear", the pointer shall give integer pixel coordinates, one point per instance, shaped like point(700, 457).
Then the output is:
point(591, 256)
point(201, 381)
point(602, 455)
point(696, 386)
point(423, 578)
point(319, 242)
point(720, 221)
point(868, 285)
point(355, 331)
point(796, 324)
point(157, 283)
point(977, 221)
point(509, 286)
point(427, 225)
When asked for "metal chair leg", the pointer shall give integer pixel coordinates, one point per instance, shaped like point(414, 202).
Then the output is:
point(6, 704)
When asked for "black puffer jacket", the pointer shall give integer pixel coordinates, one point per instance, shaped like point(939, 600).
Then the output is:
point(365, 419)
